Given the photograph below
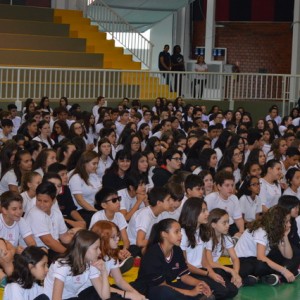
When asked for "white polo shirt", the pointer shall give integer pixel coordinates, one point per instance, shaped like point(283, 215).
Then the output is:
point(250, 207)
point(247, 243)
point(143, 219)
point(217, 252)
point(231, 205)
point(118, 219)
point(269, 193)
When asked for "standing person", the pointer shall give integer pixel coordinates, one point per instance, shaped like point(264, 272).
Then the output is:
point(177, 65)
point(164, 262)
point(200, 67)
point(70, 277)
point(164, 62)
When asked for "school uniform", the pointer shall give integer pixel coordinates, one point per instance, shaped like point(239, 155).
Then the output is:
point(13, 232)
point(231, 205)
point(127, 202)
point(73, 285)
point(9, 178)
point(28, 202)
point(250, 207)
point(155, 269)
point(42, 224)
point(118, 219)
point(16, 291)
point(103, 166)
point(194, 258)
point(269, 193)
point(290, 192)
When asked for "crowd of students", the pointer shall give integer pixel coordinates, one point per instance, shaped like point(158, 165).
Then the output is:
point(83, 193)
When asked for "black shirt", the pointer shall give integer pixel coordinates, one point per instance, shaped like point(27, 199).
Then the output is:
point(156, 269)
point(167, 60)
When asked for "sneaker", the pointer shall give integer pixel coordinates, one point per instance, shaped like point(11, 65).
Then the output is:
point(126, 264)
point(250, 280)
point(271, 279)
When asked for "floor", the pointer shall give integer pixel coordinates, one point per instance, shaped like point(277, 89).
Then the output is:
point(286, 291)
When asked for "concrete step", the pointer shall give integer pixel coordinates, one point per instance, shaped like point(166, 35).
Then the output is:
point(38, 42)
point(12, 57)
point(33, 27)
point(19, 12)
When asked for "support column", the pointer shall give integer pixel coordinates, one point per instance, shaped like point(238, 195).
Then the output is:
point(295, 63)
point(210, 30)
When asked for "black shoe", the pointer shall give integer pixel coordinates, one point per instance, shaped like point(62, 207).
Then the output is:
point(271, 279)
point(126, 264)
point(250, 280)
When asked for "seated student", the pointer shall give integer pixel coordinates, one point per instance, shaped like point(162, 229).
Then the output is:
point(109, 238)
point(7, 251)
point(46, 222)
point(12, 225)
point(30, 181)
point(250, 202)
point(6, 133)
point(177, 194)
point(70, 276)
point(218, 222)
point(109, 202)
point(12, 108)
point(65, 199)
point(162, 265)
point(264, 248)
point(30, 269)
point(291, 203)
point(142, 220)
point(172, 159)
point(195, 235)
point(225, 199)
point(194, 186)
point(133, 197)
point(293, 180)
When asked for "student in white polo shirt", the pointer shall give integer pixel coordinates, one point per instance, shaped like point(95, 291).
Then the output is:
point(12, 225)
point(226, 200)
point(47, 222)
point(264, 249)
point(250, 202)
point(141, 222)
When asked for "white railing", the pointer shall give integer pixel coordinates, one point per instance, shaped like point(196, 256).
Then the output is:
point(118, 28)
point(21, 83)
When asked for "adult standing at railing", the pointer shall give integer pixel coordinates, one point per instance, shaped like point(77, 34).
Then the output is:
point(177, 65)
point(200, 67)
point(164, 62)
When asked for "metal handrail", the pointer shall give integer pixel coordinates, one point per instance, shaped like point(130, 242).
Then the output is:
point(120, 30)
point(84, 84)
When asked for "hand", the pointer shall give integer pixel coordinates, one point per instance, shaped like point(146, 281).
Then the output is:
point(198, 289)
point(135, 296)
point(216, 277)
point(236, 279)
point(100, 265)
point(124, 253)
point(289, 276)
point(206, 289)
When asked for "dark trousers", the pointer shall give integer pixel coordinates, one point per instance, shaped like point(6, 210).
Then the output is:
point(41, 297)
point(167, 293)
point(253, 266)
point(86, 215)
point(220, 291)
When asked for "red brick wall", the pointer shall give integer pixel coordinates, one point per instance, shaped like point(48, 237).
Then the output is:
point(254, 45)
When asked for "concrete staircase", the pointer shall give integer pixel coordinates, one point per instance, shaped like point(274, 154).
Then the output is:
point(43, 37)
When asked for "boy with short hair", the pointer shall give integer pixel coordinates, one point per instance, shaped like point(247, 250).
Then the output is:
point(64, 198)
point(176, 201)
point(6, 133)
point(12, 108)
point(12, 225)
point(133, 197)
point(194, 186)
point(225, 199)
point(142, 220)
point(46, 222)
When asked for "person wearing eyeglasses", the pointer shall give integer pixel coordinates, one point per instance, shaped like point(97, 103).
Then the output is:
point(172, 161)
point(107, 201)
